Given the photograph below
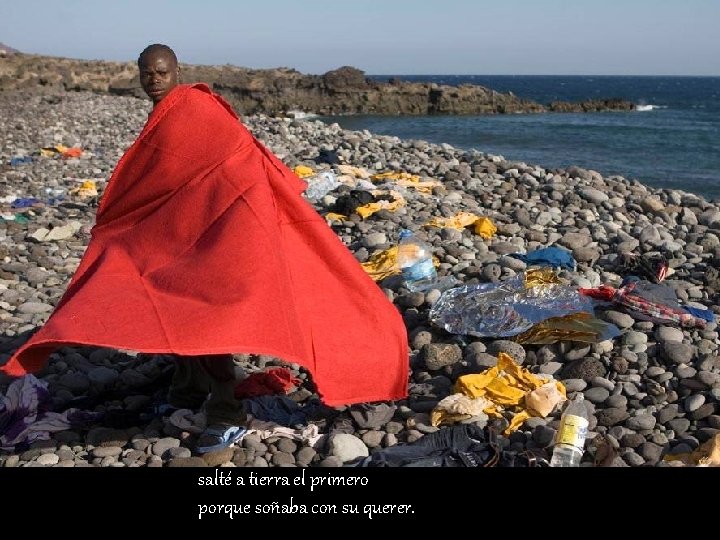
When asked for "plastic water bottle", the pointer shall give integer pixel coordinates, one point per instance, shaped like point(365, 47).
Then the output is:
point(570, 440)
point(321, 185)
point(415, 262)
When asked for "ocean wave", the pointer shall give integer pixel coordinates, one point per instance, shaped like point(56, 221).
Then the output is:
point(649, 107)
point(301, 115)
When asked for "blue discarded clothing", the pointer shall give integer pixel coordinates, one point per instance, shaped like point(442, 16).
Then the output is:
point(704, 314)
point(55, 200)
point(550, 256)
point(24, 203)
point(14, 162)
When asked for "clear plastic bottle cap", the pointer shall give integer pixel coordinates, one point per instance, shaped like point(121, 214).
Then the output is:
point(405, 234)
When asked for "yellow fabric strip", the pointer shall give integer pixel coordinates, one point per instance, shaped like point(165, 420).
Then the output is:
point(303, 171)
point(536, 277)
point(512, 387)
point(485, 228)
point(459, 221)
point(482, 225)
point(382, 264)
point(368, 210)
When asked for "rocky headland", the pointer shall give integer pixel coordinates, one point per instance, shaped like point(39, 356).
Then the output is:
point(345, 90)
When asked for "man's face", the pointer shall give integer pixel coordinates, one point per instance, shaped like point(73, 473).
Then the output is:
point(158, 75)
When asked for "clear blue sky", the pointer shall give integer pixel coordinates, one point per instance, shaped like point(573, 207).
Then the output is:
point(623, 37)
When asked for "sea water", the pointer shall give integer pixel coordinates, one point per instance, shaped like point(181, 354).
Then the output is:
point(671, 141)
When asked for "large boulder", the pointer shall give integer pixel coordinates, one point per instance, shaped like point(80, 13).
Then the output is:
point(344, 78)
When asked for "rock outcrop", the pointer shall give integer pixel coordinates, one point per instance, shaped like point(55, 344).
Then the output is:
point(279, 91)
point(592, 105)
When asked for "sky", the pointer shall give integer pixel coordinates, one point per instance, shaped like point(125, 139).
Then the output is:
point(382, 37)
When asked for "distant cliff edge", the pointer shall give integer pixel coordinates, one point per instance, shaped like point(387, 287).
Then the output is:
point(282, 91)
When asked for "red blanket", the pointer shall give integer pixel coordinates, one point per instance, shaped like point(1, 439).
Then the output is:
point(203, 244)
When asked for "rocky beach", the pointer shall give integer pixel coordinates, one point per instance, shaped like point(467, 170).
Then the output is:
point(651, 391)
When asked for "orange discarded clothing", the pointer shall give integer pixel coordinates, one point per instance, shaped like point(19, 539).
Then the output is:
point(87, 189)
point(485, 228)
point(72, 153)
point(203, 244)
point(64, 151)
point(303, 171)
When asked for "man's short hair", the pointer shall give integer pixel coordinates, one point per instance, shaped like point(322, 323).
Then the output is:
point(156, 47)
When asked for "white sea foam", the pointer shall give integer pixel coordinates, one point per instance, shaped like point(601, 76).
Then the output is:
point(649, 107)
point(301, 115)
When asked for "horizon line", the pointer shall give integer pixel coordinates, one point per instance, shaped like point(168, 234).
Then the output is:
point(395, 74)
point(528, 75)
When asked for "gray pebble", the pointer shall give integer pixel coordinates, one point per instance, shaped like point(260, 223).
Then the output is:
point(305, 456)
point(287, 445)
point(651, 452)
point(633, 459)
point(597, 394)
point(679, 425)
point(694, 402)
point(679, 353)
point(373, 439)
point(619, 319)
point(632, 338)
point(577, 352)
point(604, 383)
point(331, 461)
point(666, 334)
point(515, 350)
point(48, 459)
point(283, 458)
point(617, 401)
point(642, 422)
point(106, 451)
point(574, 385)
point(163, 445)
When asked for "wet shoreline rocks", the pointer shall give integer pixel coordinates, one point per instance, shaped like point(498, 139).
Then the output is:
point(651, 391)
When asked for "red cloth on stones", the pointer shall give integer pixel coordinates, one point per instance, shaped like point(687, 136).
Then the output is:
point(203, 244)
point(272, 381)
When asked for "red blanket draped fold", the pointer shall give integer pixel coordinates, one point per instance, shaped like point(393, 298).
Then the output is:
point(203, 244)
